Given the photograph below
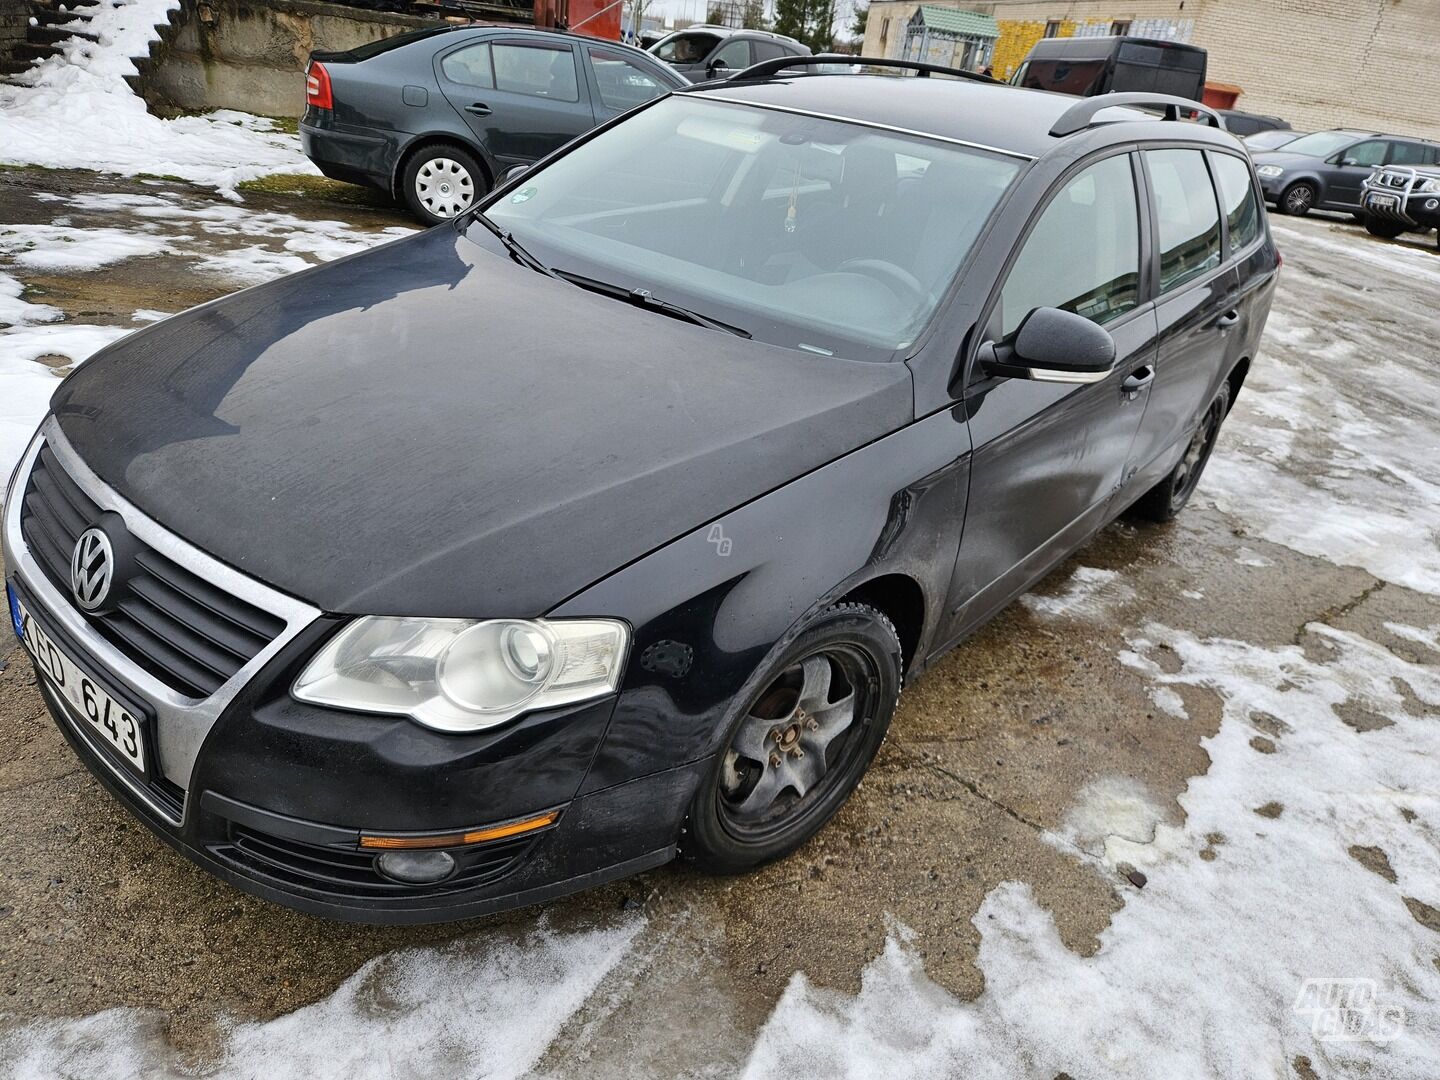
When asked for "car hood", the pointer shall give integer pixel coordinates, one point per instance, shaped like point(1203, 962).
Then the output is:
point(428, 428)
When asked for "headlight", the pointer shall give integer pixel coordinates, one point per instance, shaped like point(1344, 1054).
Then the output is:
point(1270, 172)
point(462, 675)
point(1428, 187)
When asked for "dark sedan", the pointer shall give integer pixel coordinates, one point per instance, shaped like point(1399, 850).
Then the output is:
point(608, 521)
point(437, 116)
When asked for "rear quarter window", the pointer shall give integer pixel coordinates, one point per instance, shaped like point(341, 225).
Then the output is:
point(1237, 197)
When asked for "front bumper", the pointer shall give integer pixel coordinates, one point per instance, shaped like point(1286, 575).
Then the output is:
point(1394, 195)
point(272, 794)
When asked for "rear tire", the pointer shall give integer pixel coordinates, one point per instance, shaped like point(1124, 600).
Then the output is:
point(812, 721)
point(441, 181)
point(1166, 499)
point(1386, 230)
point(1298, 199)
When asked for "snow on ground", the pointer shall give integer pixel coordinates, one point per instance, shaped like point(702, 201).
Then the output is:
point(486, 1006)
point(1201, 973)
point(75, 110)
point(1088, 594)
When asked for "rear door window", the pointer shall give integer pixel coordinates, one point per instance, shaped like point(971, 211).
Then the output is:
point(1084, 253)
point(1411, 153)
point(1237, 197)
point(768, 50)
point(546, 71)
point(1186, 213)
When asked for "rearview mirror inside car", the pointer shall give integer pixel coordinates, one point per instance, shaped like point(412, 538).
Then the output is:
point(1052, 345)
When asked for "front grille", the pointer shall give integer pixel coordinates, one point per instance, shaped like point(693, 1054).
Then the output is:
point(186, 632)
point(352, 872)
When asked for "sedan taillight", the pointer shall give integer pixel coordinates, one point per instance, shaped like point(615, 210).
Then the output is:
point(317, 87)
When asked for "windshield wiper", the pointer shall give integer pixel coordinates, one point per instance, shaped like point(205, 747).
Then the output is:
point(515, 248)
point(645, 299)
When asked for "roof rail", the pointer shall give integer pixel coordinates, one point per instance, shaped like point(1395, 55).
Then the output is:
point(1081, 115)
point(780, 63)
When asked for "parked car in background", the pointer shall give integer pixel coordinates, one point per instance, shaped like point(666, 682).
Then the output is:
point(608, 522)
point(1104, 65)
point(437, 116)
point(1397, 199)
point(1244, 123)
point(1326, 170)
point(1271, 139)
point(705, 52)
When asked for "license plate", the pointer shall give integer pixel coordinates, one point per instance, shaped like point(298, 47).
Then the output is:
point(1384, 202)
point(105, 716)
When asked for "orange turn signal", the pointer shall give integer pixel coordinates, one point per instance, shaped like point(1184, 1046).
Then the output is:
point(474, 836)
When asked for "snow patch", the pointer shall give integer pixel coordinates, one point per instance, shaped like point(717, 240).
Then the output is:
point(1087, 594)
point(75, 111)
point(485, 1006)
point(58, 249)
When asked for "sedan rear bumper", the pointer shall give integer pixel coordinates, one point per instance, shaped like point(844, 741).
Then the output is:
point(350, 157)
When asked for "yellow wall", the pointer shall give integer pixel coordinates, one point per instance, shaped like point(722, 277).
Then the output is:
point(1017, 38)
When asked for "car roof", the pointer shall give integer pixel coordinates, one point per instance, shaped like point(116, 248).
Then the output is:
point(993, 115)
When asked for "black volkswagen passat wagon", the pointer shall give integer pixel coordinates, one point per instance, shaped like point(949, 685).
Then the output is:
point(607, 523)
point(436, 116)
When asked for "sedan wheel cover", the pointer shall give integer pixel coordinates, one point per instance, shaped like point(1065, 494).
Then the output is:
point(791, 742)
point(444, 187)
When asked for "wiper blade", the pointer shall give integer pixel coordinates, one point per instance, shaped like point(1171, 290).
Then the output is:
point(645, 299)
point(515, 248)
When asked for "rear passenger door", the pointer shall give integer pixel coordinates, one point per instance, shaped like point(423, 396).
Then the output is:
point(1196, 305)
point(522, 98)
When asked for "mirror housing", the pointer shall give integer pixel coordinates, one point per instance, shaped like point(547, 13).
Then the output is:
point(1052, 346)
point(513, 173)
point(717, 65)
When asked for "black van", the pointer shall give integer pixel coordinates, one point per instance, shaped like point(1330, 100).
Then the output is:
point(1104, 65)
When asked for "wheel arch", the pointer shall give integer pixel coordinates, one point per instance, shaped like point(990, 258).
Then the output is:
point(439, 138)
point(1236, 379)
point(902, 600)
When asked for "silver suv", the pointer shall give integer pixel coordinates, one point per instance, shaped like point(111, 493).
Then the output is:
point(1398, 199)
point(707, 51)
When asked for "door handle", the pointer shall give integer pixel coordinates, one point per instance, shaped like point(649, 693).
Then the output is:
point(479, 108)
point(1229, 319)
point(1136, 381)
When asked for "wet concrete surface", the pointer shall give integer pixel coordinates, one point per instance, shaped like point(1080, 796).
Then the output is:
point(988, 751)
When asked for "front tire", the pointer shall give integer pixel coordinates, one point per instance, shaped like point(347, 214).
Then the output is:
point(812, 722)
point(1166, 499)
point(441, 182)
point(1298, 199)
point(1386, 230)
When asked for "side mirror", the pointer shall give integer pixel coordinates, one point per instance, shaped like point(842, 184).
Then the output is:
point(716, 66)
point(1052, 346)
point(513, 173)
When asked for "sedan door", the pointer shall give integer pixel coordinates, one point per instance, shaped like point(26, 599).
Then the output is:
point(1049, 457)
point(521, 97)
point(1344, 174)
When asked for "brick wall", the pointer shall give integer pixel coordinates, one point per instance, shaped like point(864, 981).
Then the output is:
point(14, 21)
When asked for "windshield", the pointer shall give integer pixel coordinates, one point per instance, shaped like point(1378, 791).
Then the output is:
point(804, 232)
point(1322, 144)
point(686, 48)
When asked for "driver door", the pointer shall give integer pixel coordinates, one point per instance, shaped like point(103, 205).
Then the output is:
point(1350, 170)
point(1049, 457)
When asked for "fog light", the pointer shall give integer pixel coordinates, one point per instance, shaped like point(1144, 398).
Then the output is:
point(1431, 204)
point(416, 867)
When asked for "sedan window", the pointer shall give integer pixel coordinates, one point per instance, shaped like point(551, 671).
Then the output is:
point(1084, 253)
point(1411, 153)
point(686, 48)
point(542, 70)
point(1366, 153)
point(470, 66)
point(1321, 144)
point(1187, 214)
point(803, 231)
point(623, 85)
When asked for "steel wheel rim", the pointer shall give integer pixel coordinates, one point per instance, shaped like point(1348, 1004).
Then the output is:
point(1187, 473)
point(798, 742)
point(444, 187)
point(1298, 198)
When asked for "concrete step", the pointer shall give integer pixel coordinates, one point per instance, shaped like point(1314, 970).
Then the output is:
point(29, 51)
point(13, 67)
point(53, 35)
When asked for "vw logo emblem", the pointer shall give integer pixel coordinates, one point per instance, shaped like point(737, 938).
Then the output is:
point(92, 567)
